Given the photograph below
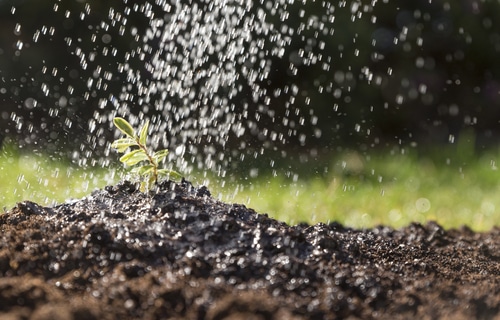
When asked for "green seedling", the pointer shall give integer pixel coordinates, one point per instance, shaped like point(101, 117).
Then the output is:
point(144, 162)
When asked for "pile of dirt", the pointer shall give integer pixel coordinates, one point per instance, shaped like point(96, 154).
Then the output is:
point(179, 253)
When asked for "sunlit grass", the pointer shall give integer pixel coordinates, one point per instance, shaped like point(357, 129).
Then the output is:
point(39, 179)
point(386, 190)
point(355, 190)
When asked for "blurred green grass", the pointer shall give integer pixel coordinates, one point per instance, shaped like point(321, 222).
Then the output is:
point(393, 191)
point(38, 178)
point(453, 187)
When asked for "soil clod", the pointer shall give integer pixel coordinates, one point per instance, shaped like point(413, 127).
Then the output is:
point(176, 252)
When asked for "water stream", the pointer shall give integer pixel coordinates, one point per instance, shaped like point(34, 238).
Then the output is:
point(230, 84)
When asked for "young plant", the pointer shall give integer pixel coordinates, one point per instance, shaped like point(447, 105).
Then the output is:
point(146, 163)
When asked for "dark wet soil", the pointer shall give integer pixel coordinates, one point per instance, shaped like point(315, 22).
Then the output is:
point(178, 253)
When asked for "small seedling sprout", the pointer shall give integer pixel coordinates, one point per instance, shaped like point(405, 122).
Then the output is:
point(148, 162)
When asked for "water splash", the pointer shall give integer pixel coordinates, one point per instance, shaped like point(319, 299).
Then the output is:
point(200, 60)
point(201, 72)
point(228, 83)
point(212, 85)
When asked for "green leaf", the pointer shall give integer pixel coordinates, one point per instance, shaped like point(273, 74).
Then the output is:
point(133, 157)
point(124, 126)
point(123, 144)
point(167, 172)
point(160, 155)
point(143, 170)
point(144, 133)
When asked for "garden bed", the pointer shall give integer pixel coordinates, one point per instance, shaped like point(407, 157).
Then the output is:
point(179, 253)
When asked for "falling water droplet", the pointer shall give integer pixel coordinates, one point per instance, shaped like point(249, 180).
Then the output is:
point(17, 29)
point(19, 45)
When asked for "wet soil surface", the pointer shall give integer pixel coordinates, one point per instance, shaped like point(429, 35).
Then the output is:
point(177, 253)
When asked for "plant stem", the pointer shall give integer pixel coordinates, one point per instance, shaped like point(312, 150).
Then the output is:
point(151, 160)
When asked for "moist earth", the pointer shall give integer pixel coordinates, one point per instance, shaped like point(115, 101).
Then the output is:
point(178, 253)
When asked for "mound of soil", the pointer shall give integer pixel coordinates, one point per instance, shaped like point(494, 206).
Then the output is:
point(179, 253)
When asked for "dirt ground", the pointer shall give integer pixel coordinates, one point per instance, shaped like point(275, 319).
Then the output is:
point(178, 253)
